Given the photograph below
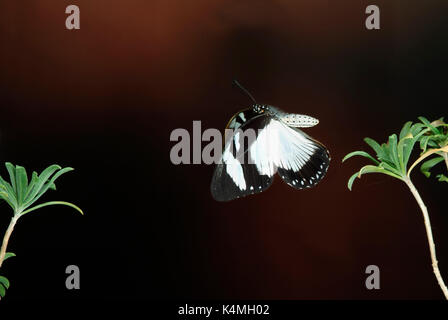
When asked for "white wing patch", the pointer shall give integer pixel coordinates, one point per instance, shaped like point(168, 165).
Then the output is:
point(277, 145)
point(236, 139)
point(234, 168)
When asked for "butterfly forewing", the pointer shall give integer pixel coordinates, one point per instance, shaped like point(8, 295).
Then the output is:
point(242, 117)
point(235, 176)
point(224, 188)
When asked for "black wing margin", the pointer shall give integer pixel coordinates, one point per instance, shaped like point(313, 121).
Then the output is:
point(223, 187)
point(314, 169)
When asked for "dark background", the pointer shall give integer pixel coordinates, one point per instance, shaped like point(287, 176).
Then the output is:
point(104, 100)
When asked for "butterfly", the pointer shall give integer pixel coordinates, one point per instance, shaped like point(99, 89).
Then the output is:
point(277, 146)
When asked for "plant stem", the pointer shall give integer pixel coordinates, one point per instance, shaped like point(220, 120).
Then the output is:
point(432, 247)
point(6, 238)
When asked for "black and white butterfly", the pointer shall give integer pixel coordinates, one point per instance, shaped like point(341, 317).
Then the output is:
point(279, 147)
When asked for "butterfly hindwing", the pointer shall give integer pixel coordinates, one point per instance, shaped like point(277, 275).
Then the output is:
point(312, 172)
point(300, 160)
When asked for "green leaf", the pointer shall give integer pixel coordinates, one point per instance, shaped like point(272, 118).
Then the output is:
point(49, 185)
point(22, 183)
point(9, 255)
point(442, 178)
point(410, 146)
point(416, 128)
point(424, 120)
point(4, 282)
point(405, 130)
point(370, 169)
point(438, 137)
point(10, 192)
point(4, 196)
point(390, 168)
point(424, 143)
point(52, 203)
point(2, 291)
point(43, 177)
point(362, 154)
point(393, 150)
point(403, 145)
point(351, 180)
point(374, 169)
point(376, 147)
point(12, 175)
point(429, 125)
point(387, 155)
point(34, 179)
point(407, 147)
point(427, 165)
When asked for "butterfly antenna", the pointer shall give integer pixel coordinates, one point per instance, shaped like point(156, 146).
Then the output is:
point(244, 90)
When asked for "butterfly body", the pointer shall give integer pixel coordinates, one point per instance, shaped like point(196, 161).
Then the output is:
point(290, 119)
point(279, 147)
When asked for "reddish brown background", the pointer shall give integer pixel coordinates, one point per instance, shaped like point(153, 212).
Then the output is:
point(104, 100)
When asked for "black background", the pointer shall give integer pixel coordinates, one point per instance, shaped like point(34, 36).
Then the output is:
point(104, 100)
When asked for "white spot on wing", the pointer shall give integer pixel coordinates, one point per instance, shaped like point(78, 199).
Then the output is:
point(236, 138)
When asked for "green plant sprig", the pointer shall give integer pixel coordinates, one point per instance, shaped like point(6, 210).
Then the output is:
point(392, 159)
point(21, 195)
point(434, 142)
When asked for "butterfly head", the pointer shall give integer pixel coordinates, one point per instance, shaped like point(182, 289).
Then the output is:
point(260, 108)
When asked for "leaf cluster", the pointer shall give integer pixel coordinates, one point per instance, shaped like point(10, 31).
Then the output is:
point(392, 157)
point(21, 194)
point(434, 142)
